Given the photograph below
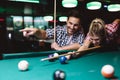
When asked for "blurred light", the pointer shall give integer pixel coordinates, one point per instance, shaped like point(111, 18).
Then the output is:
point(31, 1)
point(105, 6)
point(27, 9)
point(28, 19)
point(48, 18)
point(1, 19)
point(63, 19)
point(9, 35)
point(113, 7)
point(94, 5)
point(69, 3)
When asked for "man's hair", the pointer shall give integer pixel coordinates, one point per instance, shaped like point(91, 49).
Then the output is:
point(74, 13)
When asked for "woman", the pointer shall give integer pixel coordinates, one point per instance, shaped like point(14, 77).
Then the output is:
point(100, 34)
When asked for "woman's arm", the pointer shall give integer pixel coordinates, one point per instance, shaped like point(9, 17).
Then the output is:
point(85, 45)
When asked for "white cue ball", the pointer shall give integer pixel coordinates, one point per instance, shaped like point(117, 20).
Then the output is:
point(23, 65)
point(56, 54)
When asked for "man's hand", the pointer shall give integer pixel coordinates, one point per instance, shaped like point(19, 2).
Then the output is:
point(29, 31)
point(71, 55)
point(55, 46)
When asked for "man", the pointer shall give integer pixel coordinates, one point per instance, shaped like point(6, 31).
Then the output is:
point(68, 37)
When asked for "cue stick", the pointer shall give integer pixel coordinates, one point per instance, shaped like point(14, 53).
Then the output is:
point(92, 48)
point(54, 20)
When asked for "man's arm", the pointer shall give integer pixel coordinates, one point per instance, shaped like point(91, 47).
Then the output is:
point(39, 33)
point(117, 21)
point(73, 46)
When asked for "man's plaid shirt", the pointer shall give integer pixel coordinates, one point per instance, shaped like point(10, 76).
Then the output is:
point(112, 30)
point(62, 37)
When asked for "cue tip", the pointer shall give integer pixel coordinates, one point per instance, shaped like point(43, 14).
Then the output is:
point(42, 60)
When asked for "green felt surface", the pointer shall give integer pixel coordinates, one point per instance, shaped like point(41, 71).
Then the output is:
point(87, 67)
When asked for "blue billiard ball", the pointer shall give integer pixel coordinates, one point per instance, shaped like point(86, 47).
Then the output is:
point(63, 59)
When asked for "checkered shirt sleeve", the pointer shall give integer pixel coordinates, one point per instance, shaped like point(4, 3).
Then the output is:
point(62, 37)
point(111, 28)
point(50, 33)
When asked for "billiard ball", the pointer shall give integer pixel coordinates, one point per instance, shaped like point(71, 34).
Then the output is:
point(59, 75)
point(107, 71)
point(50, 56)
point(63, 59)
point(23, 65)
point(56, 54)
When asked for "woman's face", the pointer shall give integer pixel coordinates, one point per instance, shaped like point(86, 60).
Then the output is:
point(95, 40)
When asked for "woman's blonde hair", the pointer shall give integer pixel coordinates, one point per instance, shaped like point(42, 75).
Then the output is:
point(97, 28)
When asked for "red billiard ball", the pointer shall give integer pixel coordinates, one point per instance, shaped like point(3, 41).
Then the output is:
point(59, 75)
point(63, 60)
point(107, 71)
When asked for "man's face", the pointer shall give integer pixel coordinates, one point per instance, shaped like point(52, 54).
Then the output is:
point(73, 25)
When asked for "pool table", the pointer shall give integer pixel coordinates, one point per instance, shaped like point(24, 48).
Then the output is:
point(86, 67)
